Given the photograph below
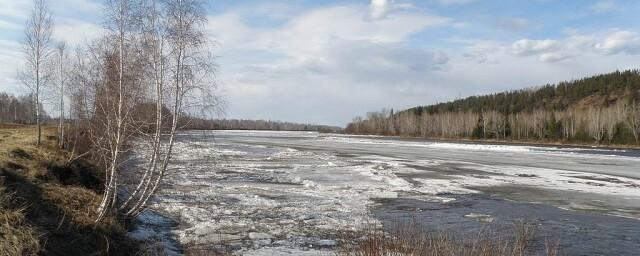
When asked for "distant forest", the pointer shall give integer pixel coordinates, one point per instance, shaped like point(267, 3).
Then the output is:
point(18, 109)
point(239, 124)
point(603, 109)
point(21, 110)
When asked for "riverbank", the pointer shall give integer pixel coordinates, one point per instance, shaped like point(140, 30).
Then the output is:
point(560, 144)
point(47, 204)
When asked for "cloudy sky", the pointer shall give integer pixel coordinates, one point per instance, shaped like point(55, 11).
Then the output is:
point(327, 61)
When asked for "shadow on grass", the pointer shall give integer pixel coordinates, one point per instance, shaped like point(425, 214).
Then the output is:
point(59, 213)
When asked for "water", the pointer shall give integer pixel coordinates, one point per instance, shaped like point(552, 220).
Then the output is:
point(576, 232)
point(283, 193)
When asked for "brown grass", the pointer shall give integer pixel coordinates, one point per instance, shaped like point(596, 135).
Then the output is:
point(409, 239)
point(47, 205)
point(194, 251)
point(17, 237)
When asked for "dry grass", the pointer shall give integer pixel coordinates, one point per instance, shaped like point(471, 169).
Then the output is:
point(47, 205)
point(409, 239)
point(16, 236)
point(191, 251)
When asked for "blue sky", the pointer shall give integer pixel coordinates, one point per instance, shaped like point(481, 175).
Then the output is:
point(327, 61)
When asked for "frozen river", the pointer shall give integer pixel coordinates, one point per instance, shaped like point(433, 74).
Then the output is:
point(295, 193)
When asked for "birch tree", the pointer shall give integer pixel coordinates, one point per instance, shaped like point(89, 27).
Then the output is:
point(37, 50)
point(116, 98)
point(155, 54)
point(190, 79)
point(633, 119)
point(62, 76)
point(154, 44)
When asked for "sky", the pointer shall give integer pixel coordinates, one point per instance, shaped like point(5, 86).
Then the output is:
point(327, 61)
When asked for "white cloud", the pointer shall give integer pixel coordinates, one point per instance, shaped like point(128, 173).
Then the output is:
point(13, 8)
point(13, 13)
point(380, 8)
point(374, 62)
point(75, 32)
point(620, 42)
point(9, 25)
point(9, 48)
point(348, 23)
point(527, 47)
point(65, 28)
point(10, 61)
point(73, 7)
point(347, 78)
point(553, 56)
point(314, 30)
point(491, 66)
point(576, 45)
point(322, 59)
point(547, 50)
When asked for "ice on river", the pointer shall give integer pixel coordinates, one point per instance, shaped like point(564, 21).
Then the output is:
point(270, 193)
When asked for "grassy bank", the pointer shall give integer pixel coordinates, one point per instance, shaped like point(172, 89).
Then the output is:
point(47, 204)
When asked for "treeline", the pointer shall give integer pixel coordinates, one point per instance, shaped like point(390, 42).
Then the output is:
point(600, 109)
point(267, 125)
point(19, 109)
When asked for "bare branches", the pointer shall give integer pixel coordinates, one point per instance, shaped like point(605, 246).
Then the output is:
point(36, 49)
point(633, 119)
point(189, 73)
point(136, 86)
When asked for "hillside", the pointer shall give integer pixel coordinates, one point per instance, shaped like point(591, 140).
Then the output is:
point(599, 109)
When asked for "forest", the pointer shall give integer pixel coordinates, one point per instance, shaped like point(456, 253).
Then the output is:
point(18, 110)
point(602, 109)
point(245, 124)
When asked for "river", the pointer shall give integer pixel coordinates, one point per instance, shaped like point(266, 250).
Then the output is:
point(297, 193)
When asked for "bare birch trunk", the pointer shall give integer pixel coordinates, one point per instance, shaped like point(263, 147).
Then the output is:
point(38, 32)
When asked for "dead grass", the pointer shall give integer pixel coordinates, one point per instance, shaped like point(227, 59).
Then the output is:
point(47, 205)
point(16, 236)
point(408, 239)
point(191, 250)
point(11, 126)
